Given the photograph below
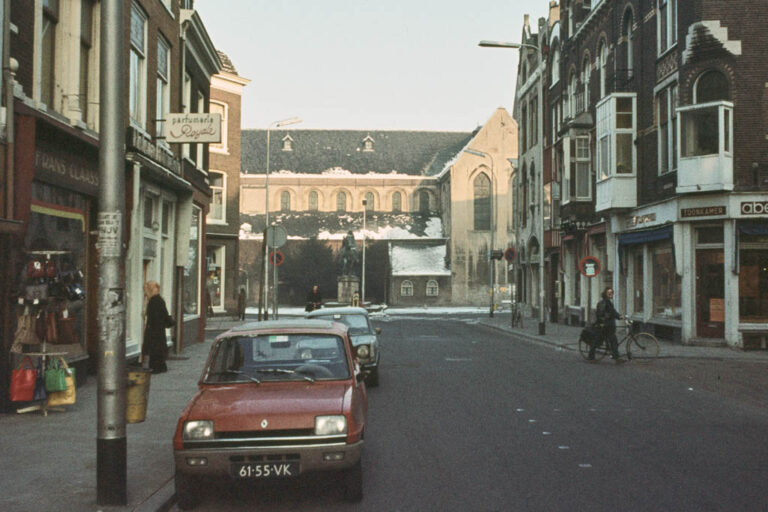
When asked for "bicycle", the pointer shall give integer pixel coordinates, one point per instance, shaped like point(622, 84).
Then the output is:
point(517, 315)
point(641, 346)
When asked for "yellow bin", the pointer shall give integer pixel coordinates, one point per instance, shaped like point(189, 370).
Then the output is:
point(137, 395)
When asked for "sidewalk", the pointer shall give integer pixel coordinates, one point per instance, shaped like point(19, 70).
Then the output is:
point(566, 337)
point(49, 463)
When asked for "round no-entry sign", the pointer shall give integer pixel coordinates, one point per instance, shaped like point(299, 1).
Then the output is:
point(589, 266)
point(276, 258)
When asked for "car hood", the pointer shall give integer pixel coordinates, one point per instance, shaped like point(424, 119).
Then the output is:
point(363, 339)
point(284, 405)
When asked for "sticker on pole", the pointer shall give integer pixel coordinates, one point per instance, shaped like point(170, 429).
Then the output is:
point(276, 258)
point(589, 266)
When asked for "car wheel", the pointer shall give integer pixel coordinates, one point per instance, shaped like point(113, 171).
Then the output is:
point(373, 379)
point(353, 483)
point(187, 491)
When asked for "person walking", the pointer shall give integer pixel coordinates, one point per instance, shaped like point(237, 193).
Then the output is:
point(314, 299)
point(155, 346)
point(606, 317)
point(241, 304)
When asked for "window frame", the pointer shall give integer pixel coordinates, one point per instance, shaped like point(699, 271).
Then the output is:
point(211, 219)
point(432, 288)
point(223, 146)
point(137, 95)
point(666, 26)
point(667, 97)
point(481, 212)
point(163, 96)
point(406, 288)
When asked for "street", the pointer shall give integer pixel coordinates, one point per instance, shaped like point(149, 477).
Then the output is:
point(467, 418)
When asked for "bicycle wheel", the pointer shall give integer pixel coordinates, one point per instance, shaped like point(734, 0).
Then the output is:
point(643, 347)
point(584, 347)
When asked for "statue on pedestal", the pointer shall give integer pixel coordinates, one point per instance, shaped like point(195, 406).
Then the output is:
point(349, 255)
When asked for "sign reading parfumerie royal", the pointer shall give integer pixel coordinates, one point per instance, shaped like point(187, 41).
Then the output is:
point(193, 128)
point(705, 211)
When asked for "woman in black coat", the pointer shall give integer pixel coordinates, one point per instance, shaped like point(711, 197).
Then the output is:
point(158, 319)
point(607, 316)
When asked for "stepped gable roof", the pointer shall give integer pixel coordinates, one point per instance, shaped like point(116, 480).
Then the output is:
point(420, 153)
point(226, 63)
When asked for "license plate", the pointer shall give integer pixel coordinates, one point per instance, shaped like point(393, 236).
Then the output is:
point(266, 470)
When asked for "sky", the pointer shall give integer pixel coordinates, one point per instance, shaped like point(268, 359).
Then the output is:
point(375, 65)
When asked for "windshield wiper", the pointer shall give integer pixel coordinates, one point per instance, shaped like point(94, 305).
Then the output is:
point(287, 372)
point(238, 372)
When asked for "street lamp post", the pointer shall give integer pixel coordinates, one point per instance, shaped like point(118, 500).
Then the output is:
point(275, 124)
point(491, 261)
point(540, 191)
point(362, 284)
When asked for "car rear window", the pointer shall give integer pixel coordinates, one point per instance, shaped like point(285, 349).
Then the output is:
point(278, 357)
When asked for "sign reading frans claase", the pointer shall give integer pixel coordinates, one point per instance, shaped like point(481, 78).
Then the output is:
point(193, 128)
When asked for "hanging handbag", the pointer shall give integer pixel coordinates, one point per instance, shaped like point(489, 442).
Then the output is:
point(23, 382)
point(40, 392)
point(35, 269)
point(36, 291)
point(65, 325)
point(51, 327)
point(25, 332)
point(68, 396)
point(55, 377)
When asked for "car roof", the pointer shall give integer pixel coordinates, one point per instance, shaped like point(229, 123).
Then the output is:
point(287, 325)
point(348, 310)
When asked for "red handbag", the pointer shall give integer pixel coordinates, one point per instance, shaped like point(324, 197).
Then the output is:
point(23, 382)
point(35, 269)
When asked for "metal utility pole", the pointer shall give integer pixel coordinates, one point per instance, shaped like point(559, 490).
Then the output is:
point(111, 465)
point(362, 285)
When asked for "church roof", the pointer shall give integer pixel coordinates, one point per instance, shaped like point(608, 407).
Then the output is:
point(414, 260)
point(420, 153)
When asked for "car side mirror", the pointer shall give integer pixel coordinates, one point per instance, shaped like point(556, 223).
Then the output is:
point(378, 330)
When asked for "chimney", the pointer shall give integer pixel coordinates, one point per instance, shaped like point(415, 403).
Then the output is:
point(526, 19)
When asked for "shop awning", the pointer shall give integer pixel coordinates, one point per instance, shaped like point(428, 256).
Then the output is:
point(646, 236)
point(753, 228)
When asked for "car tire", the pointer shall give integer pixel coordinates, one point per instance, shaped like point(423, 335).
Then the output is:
point(353, 483)
point(187, 491)
point(373, 378)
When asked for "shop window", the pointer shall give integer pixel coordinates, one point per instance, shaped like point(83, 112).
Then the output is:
point(217, 211)
point(397, 202)
point(433, 288)
point(638, 282)
point(406, 289)
point(214, 282)
point(313, 201)
point(482, 202)
point(192, 268)
point(667, 285)
point(753, 278)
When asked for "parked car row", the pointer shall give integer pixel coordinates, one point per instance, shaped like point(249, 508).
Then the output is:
point(279, 399)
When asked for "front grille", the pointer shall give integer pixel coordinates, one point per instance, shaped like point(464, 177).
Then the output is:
point(254, 434)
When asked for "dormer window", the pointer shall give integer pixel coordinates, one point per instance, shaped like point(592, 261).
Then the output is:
point(287, 143)
point(368, 143)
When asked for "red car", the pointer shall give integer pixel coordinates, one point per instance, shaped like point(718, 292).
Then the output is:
point(277, 399)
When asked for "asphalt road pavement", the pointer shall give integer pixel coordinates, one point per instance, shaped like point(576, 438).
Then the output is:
point(470, 419)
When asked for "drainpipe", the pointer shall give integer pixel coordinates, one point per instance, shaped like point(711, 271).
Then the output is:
point(9, 69)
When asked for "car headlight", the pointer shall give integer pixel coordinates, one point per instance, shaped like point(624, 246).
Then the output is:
point(197, 430)
point(363, 351)
point(330, 425)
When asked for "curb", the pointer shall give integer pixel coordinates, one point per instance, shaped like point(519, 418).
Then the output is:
point(161, 501)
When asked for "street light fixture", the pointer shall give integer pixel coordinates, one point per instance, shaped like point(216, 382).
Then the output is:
point(491, 261)
point(275, 124)
point(520, 46)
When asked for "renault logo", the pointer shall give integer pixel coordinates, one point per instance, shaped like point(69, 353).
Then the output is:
point(264, 423)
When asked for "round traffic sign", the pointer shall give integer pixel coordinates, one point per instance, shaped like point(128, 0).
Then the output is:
point(510, 254)
point(276, 258)
point(589, 266)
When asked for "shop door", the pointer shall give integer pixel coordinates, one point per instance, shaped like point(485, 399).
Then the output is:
point(710, 296)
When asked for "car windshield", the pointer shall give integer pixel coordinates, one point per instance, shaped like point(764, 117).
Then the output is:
point(273, 357)
point(358, 324)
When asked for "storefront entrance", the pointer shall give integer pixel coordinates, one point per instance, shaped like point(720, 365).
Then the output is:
point(710, 293)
